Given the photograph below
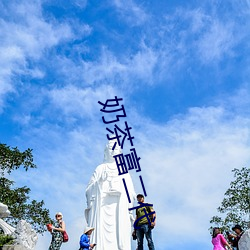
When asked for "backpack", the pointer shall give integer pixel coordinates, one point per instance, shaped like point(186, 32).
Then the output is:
point(148, 209)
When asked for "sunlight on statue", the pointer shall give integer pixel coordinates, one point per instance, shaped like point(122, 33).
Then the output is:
point(4, 212)
point(107, 204)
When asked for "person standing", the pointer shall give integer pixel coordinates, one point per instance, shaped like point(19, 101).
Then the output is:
point(85, 239)
point(143, 226)
point(218, 240)
point(56, 231)
point(239, 231)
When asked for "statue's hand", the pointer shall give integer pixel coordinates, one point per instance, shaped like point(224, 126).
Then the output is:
point(104, 176)
point(90, 203)
point(132, 219)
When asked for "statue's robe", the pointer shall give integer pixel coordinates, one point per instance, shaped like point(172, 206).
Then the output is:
point(107, 208)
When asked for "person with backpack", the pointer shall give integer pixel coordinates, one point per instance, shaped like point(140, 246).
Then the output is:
point(144, 223)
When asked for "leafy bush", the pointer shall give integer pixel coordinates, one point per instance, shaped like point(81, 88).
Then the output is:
point(6, 240)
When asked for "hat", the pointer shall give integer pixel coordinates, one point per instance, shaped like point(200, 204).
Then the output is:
point(88, 229)
point(59, 213)
point(237, 227)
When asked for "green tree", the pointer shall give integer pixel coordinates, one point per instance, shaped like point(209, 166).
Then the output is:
point(17, 199)
point(235, 207)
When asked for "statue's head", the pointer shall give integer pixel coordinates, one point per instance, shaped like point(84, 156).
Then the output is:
point(4, 212)
point(109, 153)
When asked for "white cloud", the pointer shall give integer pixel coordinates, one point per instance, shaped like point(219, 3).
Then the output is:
point(198, 19)
point(131, 12)
point(80, 102)
point(25, 35)
point(240, 101)
point(105, 69)
point(31, 33)
point(80, 3)
point(10, 58)
point(198, 33)
point(143, 63)
point(123, 71)
point(217, 42)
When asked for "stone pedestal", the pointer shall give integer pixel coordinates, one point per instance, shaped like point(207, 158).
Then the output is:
point(13, 247)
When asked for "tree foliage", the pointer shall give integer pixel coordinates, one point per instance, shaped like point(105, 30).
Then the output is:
point(17, 199)
point(235, 207)
point(13, 158)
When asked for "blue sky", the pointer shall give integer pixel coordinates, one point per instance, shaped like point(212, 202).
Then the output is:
point(182, 69)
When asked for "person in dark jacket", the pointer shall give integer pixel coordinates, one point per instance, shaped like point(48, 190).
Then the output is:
point(239, 231)
point(84, 240)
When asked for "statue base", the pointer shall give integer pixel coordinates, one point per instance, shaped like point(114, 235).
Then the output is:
point(12, 247)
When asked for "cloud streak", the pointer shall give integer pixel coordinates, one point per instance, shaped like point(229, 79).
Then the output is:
point(26, 40)
point(131, 12)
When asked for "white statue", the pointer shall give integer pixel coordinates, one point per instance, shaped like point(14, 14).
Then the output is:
point(107, 204)
point(244, 242)
point(4, 212)
point(25, 235)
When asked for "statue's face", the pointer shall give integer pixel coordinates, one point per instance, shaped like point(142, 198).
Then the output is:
point(109, 153)
point(117, 149)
